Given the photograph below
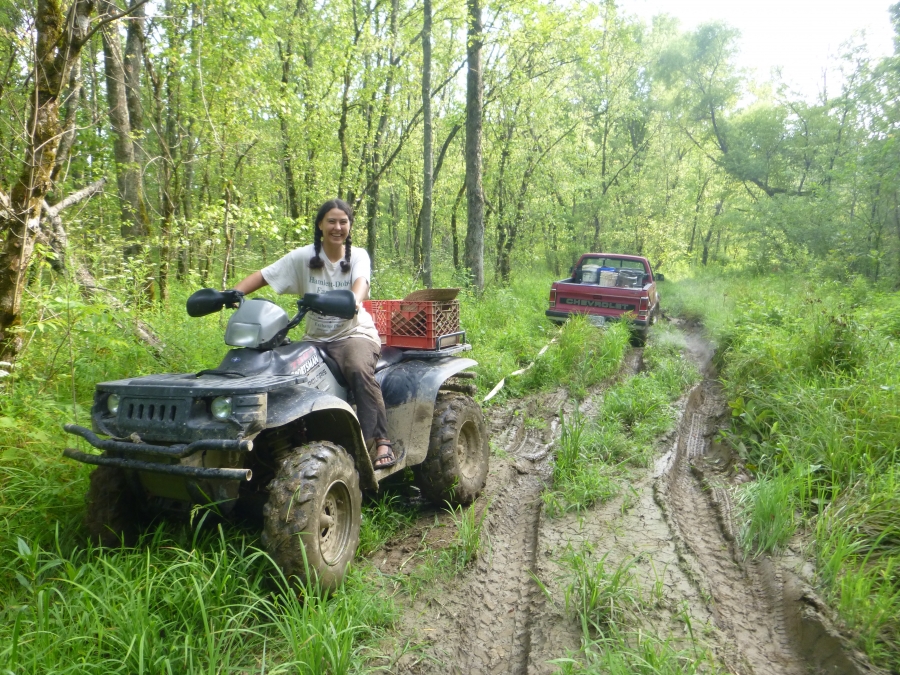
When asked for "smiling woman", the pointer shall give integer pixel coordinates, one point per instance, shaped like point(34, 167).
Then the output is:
point(353, 343)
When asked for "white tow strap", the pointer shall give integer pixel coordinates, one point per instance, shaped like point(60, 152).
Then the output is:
point(521, 371)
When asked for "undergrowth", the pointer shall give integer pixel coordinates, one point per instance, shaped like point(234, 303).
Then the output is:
point(811, 368)
point(217, 604)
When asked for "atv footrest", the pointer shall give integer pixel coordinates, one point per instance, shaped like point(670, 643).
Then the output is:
point(197, 472)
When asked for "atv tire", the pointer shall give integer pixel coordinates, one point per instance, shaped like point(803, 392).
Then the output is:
point(456, 467)
point(114, 514)
point(312, 517)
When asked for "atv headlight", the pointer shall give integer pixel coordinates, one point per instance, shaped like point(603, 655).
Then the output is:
point(242, 334)
point(112, 403)
point(221, 408)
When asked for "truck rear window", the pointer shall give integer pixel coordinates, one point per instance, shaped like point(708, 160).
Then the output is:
point(603, 271)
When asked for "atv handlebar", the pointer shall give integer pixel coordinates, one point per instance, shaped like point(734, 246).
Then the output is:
point(340, 304)
point(209, 300)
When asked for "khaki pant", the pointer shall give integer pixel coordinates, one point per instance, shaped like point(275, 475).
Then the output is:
point(356, 357)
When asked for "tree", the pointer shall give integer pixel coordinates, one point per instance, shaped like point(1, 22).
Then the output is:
point(427, 161)
point(60, 38)
point(474, 251)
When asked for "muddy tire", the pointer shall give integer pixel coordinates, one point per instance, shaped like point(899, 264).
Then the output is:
point(456, 466)
point(314, 509)
point(114, 513)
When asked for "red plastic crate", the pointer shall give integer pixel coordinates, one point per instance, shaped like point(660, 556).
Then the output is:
point(417, 324)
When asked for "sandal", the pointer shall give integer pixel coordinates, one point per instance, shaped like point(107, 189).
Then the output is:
point(389, 455)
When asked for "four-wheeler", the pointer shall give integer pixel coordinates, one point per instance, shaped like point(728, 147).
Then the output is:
point(608, 287)
point(272, 432)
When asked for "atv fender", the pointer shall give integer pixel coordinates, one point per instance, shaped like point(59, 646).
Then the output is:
point(327, 418)
point(410, 389)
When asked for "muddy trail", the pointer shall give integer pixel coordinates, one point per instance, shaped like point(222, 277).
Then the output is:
point(672, 524)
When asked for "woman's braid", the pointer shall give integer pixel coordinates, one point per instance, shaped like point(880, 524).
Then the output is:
point(345, 263)
point(316, 262)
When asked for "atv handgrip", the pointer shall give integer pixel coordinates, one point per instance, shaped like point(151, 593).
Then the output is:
point(209, 300)
point(341, 303)
point(176, 451)
point(155, 467)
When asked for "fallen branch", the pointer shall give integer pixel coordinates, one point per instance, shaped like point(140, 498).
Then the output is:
point(52, 233)
point(144, 332)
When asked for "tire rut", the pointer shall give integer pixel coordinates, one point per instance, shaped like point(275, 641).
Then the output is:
point(672, 523)
point(482, 622)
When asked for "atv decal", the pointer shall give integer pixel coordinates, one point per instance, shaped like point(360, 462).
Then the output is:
point(597, 303)
point(308, 360)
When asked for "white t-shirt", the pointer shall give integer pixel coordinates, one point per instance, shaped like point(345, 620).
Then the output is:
point(292, 274)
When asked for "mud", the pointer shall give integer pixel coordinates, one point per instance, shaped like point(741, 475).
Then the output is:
point(672, 523)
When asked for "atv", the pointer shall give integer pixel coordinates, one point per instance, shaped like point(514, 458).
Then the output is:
point(272, 433)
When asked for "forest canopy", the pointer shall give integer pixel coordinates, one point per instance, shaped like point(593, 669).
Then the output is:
point(194, 140)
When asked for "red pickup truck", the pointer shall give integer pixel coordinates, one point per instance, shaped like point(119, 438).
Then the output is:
point(606, 287)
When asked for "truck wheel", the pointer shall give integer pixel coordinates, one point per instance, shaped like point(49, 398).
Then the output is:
point(114, 513)
point(456, 466)
point(313, 512)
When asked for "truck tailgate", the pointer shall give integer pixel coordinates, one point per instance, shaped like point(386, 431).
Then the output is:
point(585, 298)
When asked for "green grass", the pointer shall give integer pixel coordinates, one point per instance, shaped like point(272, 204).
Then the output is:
point(610, 606)
point(383, 517)
point(164, 607)
point(811, 368)
point(594, 456)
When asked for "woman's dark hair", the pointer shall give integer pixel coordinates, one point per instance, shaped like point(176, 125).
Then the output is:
point(316, 261)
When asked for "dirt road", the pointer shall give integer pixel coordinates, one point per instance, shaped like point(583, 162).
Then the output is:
point(506, 612)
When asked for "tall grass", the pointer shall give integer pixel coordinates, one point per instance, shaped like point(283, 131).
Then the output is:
point(812, 371)
point(167, 608)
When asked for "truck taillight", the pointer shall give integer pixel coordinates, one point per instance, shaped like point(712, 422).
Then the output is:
point(553, 297)
point(643, 308)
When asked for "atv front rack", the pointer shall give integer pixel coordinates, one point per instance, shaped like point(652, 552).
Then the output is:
point(177, 451)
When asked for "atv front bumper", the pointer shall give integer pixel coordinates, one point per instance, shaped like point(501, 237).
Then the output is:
point(139, 456)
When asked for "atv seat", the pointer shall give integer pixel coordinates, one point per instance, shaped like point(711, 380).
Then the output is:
point(389, 356)
point(333, 367)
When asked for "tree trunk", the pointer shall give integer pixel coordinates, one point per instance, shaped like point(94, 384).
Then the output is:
point(134, 58)
point(58, 45)
point(708, 237)
point(459, 196)
point(135, 221)
point(427, 151)
point(67, 139)
point(372, 179)
point(474, 254)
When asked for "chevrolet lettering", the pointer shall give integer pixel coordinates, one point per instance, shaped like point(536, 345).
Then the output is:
point(598, 303)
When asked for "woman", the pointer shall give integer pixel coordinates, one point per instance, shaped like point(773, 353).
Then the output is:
point(353, 343)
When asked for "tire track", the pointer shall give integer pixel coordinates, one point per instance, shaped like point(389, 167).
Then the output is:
point(483, 619)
